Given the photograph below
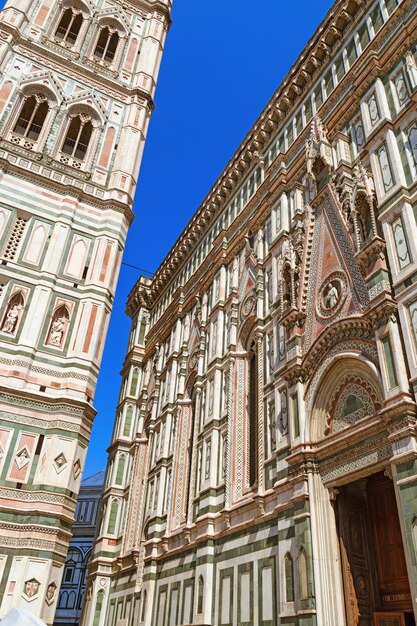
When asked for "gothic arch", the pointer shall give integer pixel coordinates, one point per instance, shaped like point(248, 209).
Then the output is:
point(86, 8)
point(33, 111)
point(348, 389)
point(189, 385)
point(77, 140)
point(200, 595)
point(86, 109)
point(113, 22)
point(245, 335)
point(13, 313)
point(58, 327)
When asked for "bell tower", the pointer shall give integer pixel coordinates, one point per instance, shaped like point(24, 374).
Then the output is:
point(76, 94)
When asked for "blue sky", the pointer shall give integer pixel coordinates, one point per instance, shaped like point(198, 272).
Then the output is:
point(222, 63)
point(223, 60)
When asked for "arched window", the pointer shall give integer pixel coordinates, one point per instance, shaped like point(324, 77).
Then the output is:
point(114, 510)
point(134, 382)
point(32, 117)
point(200, 595)
point(303, 574)
point(105, 49)
point(252, 406)
point(78, 137)
point(69, 26)
point(120, 470)
point(128, 422)
point(99, 605)
point(289, 578)
point(143, 611)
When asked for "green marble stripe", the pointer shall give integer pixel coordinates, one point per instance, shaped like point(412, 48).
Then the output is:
point(28, 519)
point(41, 359)
point(66, 216)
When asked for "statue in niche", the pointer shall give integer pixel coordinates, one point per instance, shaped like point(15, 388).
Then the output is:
point(271, 355)
point(58, 326)
point(411, 67)
point(331, 297)
point(13, 312)
point(248, 244)
point(363, 204)
point(11, 319)
point(259, 244)
point(198, 307)
point(289, 274)
point(235, 273)
point(57, 330)
point(363, 180)
point(284, 414)
point(317, 147)
point(272, 426)
point(347, 213)
point(187, 325)
point(298, 241)
point(155, 359)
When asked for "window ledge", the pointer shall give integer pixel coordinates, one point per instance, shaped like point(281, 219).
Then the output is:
point(66, 159)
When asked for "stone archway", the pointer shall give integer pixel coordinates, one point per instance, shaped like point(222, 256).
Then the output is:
point(348, 390)
point(346, 486)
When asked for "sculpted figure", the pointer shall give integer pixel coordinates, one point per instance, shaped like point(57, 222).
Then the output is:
point(235, 272)
point(57, 331)
point(12, 317)
point(410, 62)
point(332, 296)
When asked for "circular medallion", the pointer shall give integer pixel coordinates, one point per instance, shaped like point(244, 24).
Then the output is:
point(248, 305)
point(332, 294)
point(373, 110)
point(360, 137)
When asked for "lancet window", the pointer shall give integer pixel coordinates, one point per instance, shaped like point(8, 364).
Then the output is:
point(106, 46)
point(289, 578)
point(69, 26)
point(32, 117)
point(78, 137)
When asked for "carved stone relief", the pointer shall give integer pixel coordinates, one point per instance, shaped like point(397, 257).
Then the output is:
point(31, 589)
point(13, 314)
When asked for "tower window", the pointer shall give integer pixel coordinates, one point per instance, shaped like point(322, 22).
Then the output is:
point(69, 26)
point(32, 117)
point(78, 137)
point(106, 45)
point(289, 578)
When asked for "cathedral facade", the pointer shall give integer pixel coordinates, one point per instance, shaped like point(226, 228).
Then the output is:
point(76, 94)
point(263, 466)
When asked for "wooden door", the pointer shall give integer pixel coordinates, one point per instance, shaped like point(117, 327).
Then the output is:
point(357, 556)
point(394, 588)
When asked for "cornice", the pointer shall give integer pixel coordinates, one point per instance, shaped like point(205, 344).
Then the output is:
point(67, 190)
point(285, 101)
point(44, 403)
point(162, 6)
